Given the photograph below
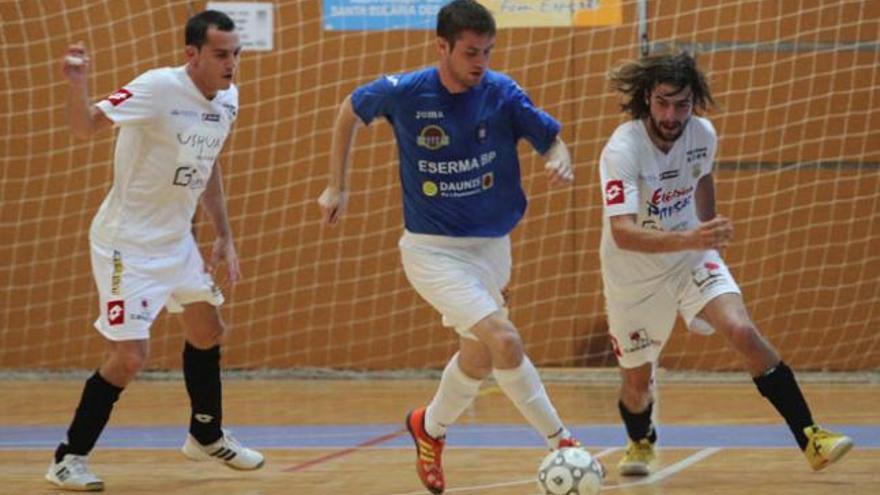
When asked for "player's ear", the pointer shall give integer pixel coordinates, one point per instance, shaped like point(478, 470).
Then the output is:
point(442, 45)
point(191, 52)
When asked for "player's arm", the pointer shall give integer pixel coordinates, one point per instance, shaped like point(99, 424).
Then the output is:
point(335, 197)
point(628, 235)
point(542, 131)
point(83, 118)
point(558, 163)
point(214, 202)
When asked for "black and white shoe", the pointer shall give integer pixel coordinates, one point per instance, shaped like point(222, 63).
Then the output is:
point(72, 473)
point(226, 450)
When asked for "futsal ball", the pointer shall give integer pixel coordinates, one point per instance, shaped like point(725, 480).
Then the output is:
point(570, 471)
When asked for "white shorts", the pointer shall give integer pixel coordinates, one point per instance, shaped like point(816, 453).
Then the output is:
point(132, 289)
point(640, 327)
point(461, 277)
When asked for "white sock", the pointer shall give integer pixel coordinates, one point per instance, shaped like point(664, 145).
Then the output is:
point(455, 393)
point(523, 386)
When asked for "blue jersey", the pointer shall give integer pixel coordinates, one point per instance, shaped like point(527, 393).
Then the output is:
point(459, 168)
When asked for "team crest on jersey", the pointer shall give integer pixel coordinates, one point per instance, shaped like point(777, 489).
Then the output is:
point(488, 180)
point(482, 132)
point(119, 96)
point(433, 137)
point(116, 312)
point(614, 192)
point(695, 173)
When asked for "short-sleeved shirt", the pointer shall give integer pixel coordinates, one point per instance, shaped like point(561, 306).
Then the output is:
point(459, 167)
point(637, 178)
point(170, 136)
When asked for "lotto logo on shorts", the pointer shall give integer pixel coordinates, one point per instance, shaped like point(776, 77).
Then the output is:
point(115, 312)
point(614, 192)
point(119, 96)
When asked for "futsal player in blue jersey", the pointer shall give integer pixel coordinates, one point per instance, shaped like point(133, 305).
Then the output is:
point(457, 126)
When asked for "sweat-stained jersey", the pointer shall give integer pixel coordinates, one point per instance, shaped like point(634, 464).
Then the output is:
point(459, 167)
point(637, 178)
point(169, 138)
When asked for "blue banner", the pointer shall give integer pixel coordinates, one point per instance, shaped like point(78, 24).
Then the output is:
point(380, 15)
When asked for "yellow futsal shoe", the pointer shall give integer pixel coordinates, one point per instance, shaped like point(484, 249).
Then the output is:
point(637, 459)
point(825, 447)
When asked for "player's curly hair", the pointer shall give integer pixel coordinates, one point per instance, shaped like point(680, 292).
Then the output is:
point(463, 15)
point(637, 78)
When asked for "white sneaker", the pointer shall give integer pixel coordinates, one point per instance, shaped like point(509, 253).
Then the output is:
point(226, 450)
point(72, 473)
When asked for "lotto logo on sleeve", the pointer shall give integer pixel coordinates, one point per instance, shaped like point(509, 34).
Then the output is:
point(119, 96)
point(614, 192)
point(115, 312)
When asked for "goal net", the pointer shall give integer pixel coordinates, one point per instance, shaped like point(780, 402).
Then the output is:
point(797, 171)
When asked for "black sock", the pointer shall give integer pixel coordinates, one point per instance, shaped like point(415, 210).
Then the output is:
point(201, 371)
point(638, 425)
point(780, 388)
point(92, 413)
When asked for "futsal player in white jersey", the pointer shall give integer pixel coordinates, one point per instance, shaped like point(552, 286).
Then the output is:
point(659, 252)
point(172, 123)
point(457, 126)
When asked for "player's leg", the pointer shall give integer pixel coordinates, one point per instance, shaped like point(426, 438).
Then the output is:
point(459, 386)
point(207, 440)
point(518, 378)
point(444, 277)
point(101, 391)
point(196, 296)
point(713, 296)
point(639, 328)
point(125, 287)
point(774, 379)
point(201, 370)
point(636, 406)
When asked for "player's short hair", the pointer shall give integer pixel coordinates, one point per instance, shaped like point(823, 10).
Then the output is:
point(463, 15)
point(197, 26)
point(637, 78)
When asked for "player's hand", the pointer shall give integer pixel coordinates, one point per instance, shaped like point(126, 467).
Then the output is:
point(76, 63)
point(714, 234)
point(333, 202)
point(558, 166)
point(224, 252)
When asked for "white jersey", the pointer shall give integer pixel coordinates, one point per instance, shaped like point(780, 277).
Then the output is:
point(169, 139)
point(638, 178)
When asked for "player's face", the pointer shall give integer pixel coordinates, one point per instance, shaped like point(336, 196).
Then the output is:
point(214, 64)
point(467, 62)
point(671, 108)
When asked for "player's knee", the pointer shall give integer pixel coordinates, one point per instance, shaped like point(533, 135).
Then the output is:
point(746, 338)
point(506, 343)
point(509, 345)
point(129, 364)
point(209, 337)
point(502, 339)
point(637, 385)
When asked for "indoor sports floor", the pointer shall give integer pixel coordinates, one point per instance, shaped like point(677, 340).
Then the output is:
point(347, 437)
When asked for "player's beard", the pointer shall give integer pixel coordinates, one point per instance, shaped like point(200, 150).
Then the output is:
point(663, 134)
